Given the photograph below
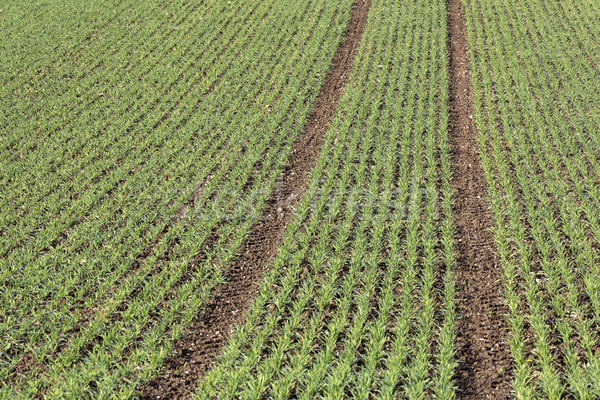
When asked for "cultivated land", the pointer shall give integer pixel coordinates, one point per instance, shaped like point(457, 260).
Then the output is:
point(535, 76)
point(308, 199)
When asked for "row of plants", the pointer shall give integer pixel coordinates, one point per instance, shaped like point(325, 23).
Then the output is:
point(534, 76)
point(360, 299)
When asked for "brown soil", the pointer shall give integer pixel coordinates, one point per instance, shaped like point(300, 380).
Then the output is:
point(484, 371)
point(195, 351)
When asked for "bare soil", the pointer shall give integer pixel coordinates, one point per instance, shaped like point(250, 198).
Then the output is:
point(196, 351)
point(484, 371)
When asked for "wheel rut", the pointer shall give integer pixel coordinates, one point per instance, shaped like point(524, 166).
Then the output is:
point(484, 362)
point(197, 349)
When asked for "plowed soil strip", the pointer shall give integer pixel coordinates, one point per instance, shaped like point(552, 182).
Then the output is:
point(484, 370)
point(194, 353)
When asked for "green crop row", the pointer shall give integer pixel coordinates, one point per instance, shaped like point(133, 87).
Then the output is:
point(535, 75)
point(133, 167)
point(360, 299)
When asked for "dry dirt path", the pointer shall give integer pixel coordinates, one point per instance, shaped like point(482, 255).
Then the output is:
point(484, 369)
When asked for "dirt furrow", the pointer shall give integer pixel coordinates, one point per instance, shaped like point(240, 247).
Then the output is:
point(484, 369)
point(195, 351)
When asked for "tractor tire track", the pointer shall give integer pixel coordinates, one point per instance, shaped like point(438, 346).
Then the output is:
point(484, 362)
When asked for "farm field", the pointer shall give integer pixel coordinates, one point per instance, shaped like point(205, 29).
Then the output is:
point(310, 199)
point(535, 96)
point(133, 165)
